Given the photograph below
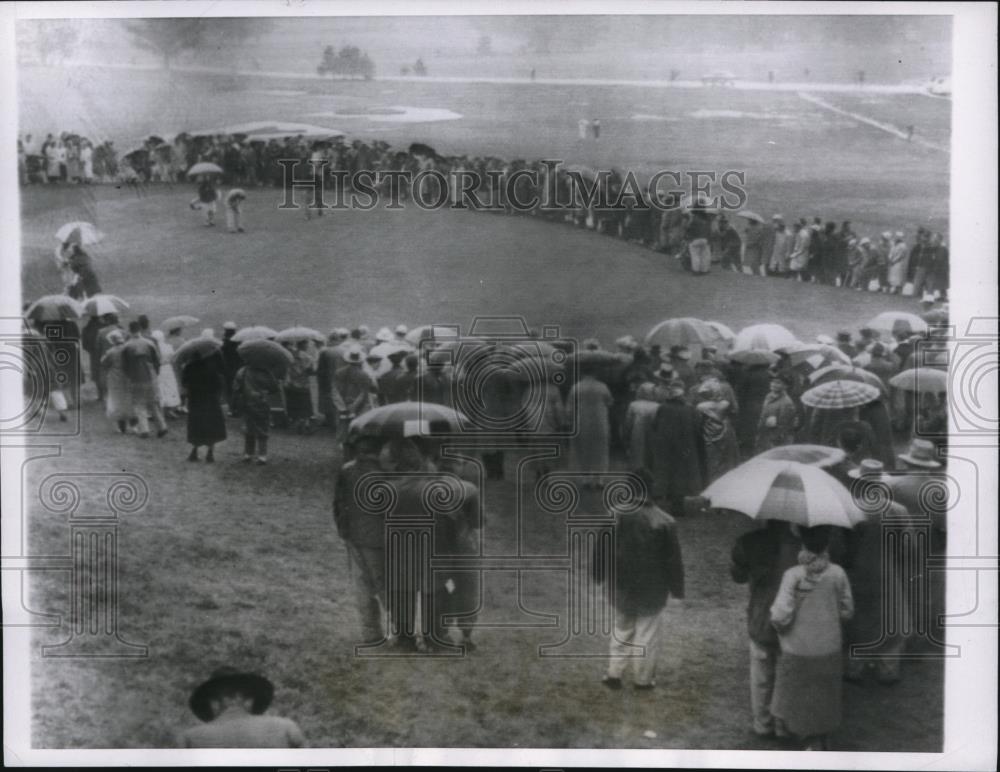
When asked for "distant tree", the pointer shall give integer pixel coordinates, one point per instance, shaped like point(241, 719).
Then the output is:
point(55, 39)
point(485, 46)
point(349, 61)
point(419, 68)
point(167, 38)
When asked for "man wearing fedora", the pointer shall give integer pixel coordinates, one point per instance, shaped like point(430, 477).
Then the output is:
point(351, 389)
point(877, 577)
point(680, 361)
point(232, 704)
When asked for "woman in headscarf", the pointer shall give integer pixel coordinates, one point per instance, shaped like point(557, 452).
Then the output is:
point(721, 449)
point(166, 380)
point(119, 400)
point(204, 381)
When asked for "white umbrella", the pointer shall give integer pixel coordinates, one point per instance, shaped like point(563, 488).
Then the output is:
point(204, 167)
point(768, 337)
point(98, 305)
point(893, 322)
point(88, 233)
point(724, 332)
point(686, 331)
point(256, 332)
point(785, 490)
point(295, 334)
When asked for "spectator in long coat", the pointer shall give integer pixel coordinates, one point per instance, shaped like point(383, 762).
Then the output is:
point(721, 449)
point(781, 247)
point(231, 361)
point(779, 418)
point(364, 534)
point(753, 248)
point(352, 390)
point(589, 447)
point(204, 381)
point(759, 559)
point(118, 398)
point(730, 245)
point(879, 578)
point(676, 454)
point(899, 261)
point(752, 384)
point(876, 415)
point(108, 323)
point(648, 568)
point(638, 424)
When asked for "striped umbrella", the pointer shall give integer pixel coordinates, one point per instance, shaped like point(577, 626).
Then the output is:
point(52, 308)
point(840, 394)
point(785, 490)
point(839, 372)
point(256, 332)
point(407, 419)
point(898, 322)
point(768, 337)
point(812, 455)
point(685, 331)
point(921, 379)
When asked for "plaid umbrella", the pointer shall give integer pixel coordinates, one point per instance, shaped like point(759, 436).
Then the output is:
point(840, 394)
point(295, 334)
point(840, 372)
point(407, 419)
point(179, 322)
point(785, 490)
point(812, 455)
point(257, 332)
point(83, 233)
point(265, 354)
point(754, 357)
point(51, 308)
point(685, 331)
point(921, 379)
point(897, 322)
point(98, 305)
point(195, 349)
point(764, 336)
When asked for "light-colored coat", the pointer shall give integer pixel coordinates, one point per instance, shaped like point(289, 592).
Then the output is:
point(589, 448)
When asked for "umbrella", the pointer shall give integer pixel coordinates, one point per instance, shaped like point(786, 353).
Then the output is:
point(86, 234)
point(921, 379)
point(204, 167)
point(685, 331)
point(844, 373)
point(825, 354)
point(406, 419)
point(936, 317)
point(785, 490)
point(840, 394)
point(265, 354)
point(812, 455)
point(384, 350)
point(52, 308)
point(178, 322)
point(98, 305)
point(256, 332)
point(746, 214)
point(295, 334)
point(754, 356)
point(764, 336)
point(724, 332)
point(419, 148)
point(898, 322)
point(195, 349)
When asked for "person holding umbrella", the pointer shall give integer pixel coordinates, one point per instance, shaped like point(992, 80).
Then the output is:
point(204, 382)
point(813, 601)
point(230, 360)
point(254, 387)
point(298, 397)
point(676, 452)
point(207, 198)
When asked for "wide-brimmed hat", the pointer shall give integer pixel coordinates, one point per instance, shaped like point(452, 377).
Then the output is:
point(868, 468)
point(354, 354)
point(921, 453)
point(402, 329)
point(664, 372)
point(252, 685)
point(384, 335)
point(825, 339)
